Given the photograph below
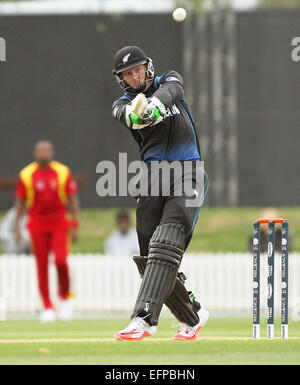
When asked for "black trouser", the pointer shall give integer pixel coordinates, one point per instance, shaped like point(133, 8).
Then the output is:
point(155, 210)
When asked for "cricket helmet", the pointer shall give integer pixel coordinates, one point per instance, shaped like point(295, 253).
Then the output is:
point(129, 57)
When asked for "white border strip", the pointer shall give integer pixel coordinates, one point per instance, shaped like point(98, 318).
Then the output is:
point(84, 7)
point(75, 340)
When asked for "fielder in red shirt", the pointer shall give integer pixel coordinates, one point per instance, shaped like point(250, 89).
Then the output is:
point(47, 189)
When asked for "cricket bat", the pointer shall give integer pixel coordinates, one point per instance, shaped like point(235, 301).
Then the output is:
point(139, 105)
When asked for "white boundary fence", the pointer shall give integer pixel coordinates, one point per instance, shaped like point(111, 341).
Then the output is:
point(104, 285)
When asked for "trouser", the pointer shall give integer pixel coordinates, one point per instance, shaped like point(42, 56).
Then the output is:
point(43, 243)
point(154, 211)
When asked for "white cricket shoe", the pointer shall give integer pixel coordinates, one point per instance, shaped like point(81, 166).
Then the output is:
point(187, 332)
point(136, 330)
point(48, 315)
point(65, 310)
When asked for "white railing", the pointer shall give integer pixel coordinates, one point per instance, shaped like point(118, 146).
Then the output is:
point(104, 285)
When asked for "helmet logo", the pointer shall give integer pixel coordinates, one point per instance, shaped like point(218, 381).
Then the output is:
point(125, 58)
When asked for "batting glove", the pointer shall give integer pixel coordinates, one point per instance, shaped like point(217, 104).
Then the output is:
point(135, 113)
point(155, 110)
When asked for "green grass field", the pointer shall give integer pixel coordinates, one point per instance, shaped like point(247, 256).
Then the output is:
point(217, 229)
point(221, 341)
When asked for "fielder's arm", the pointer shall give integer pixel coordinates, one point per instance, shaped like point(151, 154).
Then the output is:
point(73, 208)
point(20, 207)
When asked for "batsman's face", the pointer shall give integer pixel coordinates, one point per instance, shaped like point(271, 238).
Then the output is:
point(135, 76)
point(43, 153)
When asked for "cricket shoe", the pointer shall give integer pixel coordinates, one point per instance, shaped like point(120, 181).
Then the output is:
point(65, 310)
point(136, 330)
point(48, 315)
point(187, 332)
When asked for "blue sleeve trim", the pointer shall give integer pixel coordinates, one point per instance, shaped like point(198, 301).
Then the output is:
point(140, 134)
point(157, 80)
point(127, 97)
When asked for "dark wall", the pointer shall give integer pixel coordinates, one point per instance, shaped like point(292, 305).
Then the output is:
point(57, 84)
point(269, 108)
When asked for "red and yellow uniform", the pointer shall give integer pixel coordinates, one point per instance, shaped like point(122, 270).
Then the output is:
point(46, 192)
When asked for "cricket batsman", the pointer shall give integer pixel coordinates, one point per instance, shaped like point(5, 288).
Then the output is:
point(46, 189)
point(154, 110)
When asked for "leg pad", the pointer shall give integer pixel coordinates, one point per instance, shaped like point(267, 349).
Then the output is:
point(181, 302)
point(165, 253)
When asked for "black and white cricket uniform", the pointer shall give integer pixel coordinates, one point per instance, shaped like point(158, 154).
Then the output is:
point(173, 139)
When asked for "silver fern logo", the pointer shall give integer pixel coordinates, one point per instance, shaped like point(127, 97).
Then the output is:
point(125, 58)
point(147, 306)
point(2, 49)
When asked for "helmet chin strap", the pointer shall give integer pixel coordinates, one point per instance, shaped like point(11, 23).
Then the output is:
point(142, 88)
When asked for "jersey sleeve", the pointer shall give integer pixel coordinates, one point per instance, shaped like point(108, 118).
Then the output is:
point(71, 185)
point(171, 76)
point(21, 189)
point(170, 89)
point(118, 109)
